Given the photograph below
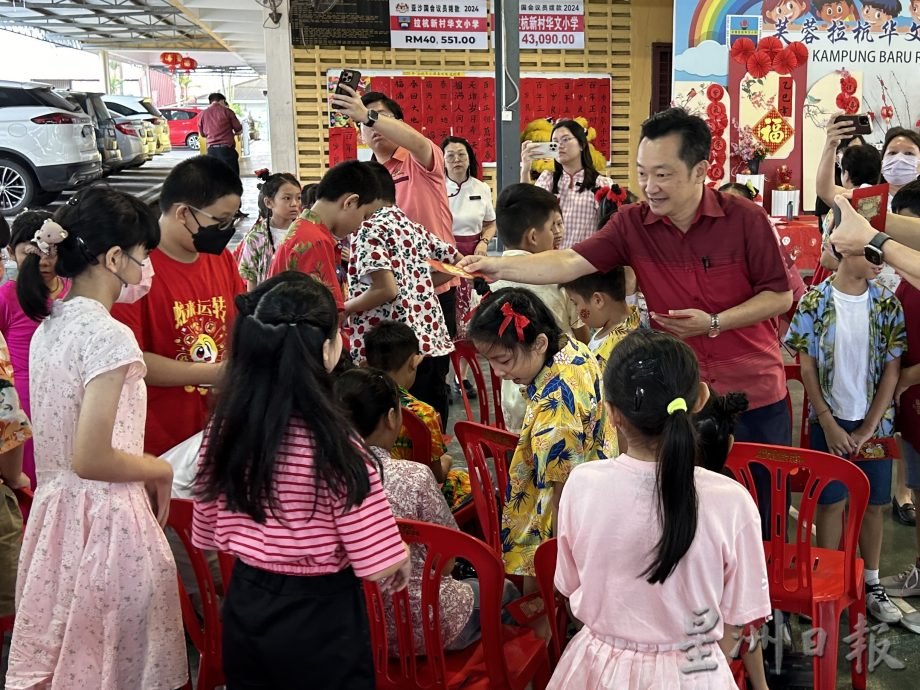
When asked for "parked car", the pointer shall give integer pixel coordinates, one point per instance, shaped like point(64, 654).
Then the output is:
point(45, 146)
point(183, 124)
point(142, 108)
point(132, 141)
point(104, 124)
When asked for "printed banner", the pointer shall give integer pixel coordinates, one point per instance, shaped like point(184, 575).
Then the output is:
point(439, 25)
point(552, 25)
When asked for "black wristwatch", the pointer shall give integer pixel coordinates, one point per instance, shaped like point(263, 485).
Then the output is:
point(372, 117)
point(873, 250)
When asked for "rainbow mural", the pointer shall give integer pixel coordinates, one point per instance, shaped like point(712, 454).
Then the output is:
point(708, 17)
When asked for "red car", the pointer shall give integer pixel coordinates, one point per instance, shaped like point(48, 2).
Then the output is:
point(183, 125)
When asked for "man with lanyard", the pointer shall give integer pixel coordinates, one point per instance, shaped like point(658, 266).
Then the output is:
point(219, 126)
point(417, 167)
point(709, 264)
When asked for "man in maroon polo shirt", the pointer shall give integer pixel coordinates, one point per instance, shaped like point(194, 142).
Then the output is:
point(219, 126)
point(709, 265)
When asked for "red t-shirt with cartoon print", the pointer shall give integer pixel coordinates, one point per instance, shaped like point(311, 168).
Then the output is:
point(186, 316)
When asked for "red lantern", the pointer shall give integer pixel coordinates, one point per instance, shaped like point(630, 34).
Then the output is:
point(188, 64)
point(171, 60)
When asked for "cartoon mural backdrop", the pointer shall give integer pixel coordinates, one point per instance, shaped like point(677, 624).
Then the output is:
point(857, 56)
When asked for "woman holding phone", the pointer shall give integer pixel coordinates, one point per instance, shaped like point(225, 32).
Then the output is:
point(574, 179)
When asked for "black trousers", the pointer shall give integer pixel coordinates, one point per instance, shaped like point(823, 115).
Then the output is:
point(228, 155)
point(286, 632)
point(431, 379)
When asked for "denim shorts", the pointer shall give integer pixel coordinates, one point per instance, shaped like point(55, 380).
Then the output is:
point(911, 465)
point(878, 472)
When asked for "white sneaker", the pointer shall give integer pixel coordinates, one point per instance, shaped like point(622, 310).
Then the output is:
point(879, 605)
point(904, 584)
point(911, 621)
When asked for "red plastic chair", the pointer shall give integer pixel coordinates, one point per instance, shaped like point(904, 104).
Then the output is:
point(817, 582)
point(794, 373)
point(420, 435)
point(554, 604)
point(464, 351)
point(480, 442)
point(205, 632)
point(506, 658)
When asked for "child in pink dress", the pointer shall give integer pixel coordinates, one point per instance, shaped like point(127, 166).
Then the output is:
point(662, 560)
point(97, 599)
point(18, 328)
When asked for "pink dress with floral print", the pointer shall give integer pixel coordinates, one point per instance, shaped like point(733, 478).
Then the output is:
point(414, 495)
point(98, 605)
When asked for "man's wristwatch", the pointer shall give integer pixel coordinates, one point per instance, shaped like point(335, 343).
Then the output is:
point(372, 117)
point(714, 328)
point(873, 250)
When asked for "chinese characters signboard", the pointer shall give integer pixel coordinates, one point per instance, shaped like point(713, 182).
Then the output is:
point(351, 23)
point(552, 25)
point(463, 104)
point(461, 25)
point(773, 131)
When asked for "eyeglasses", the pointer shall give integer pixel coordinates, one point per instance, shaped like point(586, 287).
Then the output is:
point(222, 224)
point(564, 141)
point(456, 157)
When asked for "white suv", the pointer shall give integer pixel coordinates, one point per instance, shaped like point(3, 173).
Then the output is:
point(45, 146)
point(142, 108)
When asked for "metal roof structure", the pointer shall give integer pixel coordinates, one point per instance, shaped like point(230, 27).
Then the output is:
point(234, 26)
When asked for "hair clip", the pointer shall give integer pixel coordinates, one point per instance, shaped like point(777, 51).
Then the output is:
point(47, 238)
point(520, 321)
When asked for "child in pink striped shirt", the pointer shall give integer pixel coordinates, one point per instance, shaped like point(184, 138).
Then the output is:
point(286, 488)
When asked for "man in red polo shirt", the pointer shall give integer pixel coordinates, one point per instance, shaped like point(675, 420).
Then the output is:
point(709, 265)
point(219, 125)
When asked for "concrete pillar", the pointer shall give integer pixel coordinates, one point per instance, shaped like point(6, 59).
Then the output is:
point(279, 63)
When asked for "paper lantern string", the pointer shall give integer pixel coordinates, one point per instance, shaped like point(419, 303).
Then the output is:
point(520, 321)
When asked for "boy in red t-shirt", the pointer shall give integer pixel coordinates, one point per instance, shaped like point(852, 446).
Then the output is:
point(183, 323)
point(344, 199)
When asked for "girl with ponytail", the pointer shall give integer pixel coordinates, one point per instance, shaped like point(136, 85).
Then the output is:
point(95, 572)
point(656, 554)
point(296, 496)
point(564, 420)
point(279, 205)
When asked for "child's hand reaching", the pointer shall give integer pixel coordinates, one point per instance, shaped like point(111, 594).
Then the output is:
point(399, 580)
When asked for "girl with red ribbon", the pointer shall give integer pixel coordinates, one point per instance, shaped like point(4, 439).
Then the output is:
point(564, 423)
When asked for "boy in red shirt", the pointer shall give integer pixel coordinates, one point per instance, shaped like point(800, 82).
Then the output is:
point(183, 323)
point(345, 198)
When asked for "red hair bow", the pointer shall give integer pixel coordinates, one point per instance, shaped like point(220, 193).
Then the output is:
point(520, 321)
point(615, 194)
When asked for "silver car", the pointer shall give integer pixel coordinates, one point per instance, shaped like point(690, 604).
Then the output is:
point(132, 142)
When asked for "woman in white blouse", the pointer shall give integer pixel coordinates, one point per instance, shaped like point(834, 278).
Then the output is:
point(574, 180)
point(470, 202)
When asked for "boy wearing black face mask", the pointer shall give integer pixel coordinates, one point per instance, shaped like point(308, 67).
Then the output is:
point(183, 323)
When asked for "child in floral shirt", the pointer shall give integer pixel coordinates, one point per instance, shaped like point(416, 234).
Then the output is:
point(849, 332)
point(389, 278)
point(279, 205)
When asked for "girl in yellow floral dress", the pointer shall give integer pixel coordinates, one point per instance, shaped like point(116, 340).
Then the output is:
point(564, 423)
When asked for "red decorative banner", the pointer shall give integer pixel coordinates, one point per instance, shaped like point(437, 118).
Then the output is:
point(343, 144)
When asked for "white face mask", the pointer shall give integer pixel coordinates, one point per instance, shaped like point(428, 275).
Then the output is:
point(132, 293)
point(899, 168)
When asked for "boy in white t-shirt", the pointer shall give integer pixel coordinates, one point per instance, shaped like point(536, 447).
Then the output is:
point(850, 334)
point(527, 217)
